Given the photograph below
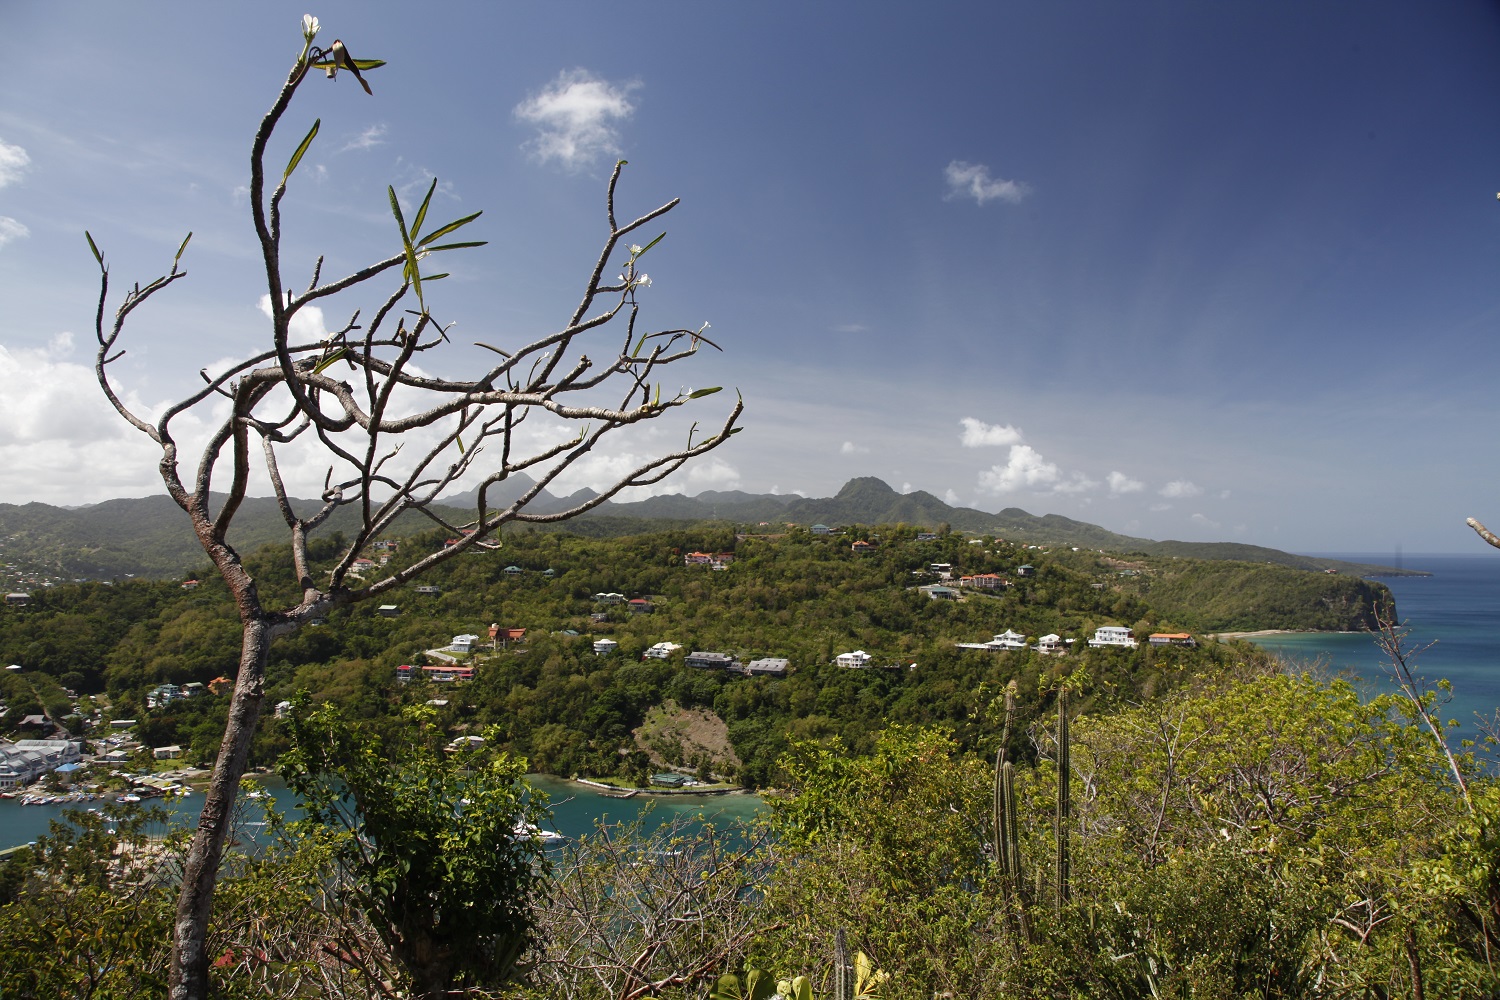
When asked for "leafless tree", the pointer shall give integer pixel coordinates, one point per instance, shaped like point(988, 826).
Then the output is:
point(356, 396)
point(634, 915)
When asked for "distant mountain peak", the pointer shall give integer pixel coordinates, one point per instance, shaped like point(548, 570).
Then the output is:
point(866, 488)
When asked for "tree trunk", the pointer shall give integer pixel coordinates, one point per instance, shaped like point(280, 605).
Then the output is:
point(188, 979)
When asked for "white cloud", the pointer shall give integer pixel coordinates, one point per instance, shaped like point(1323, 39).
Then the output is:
point(1203, 522)
point(1120, 484)
point(978, 434)
point(368, 139)
point(1026, 469)
point(850, 448)
point(973, 180)
point(1076, 482)
point(951, 498)
point(905, 488)
point(1223, 494)
point(13, 163)
point(1179, 488)
point(307, 326)
point(712, 473)
point(11, 230)
point(55, 423)
point(1157, 508)
point(575, 117)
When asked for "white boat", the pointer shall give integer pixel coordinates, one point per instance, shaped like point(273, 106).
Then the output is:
point(525, 829)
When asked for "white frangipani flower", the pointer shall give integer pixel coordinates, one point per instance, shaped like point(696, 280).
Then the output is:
point(635, 250)
point(643, 281)
point(310, 27)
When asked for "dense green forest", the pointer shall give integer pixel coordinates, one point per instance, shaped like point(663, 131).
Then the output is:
point(801, 596)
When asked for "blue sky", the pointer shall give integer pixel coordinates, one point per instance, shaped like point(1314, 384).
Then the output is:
point(1186, 270)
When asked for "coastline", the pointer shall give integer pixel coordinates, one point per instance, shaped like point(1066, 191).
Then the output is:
point(1278, 631)
point(600, 786)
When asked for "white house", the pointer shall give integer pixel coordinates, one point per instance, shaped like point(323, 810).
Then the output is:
point(1051, 643)
point(1112, 635)
point(856, 659)
point(604, 647)
point(463, 643)
point(662, 650)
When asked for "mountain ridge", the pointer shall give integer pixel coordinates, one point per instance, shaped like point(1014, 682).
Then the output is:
point(150, 536)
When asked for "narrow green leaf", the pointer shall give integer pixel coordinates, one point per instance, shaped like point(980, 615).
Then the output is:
point(704, 392)
point(179, 249)
point(411, 273)
point(369, 63)
point(327, 362)
point(460, 443)
point(297, 156)
point(457, 246)
point(416, 224)
point(97, 255)
point(434, 277)
point(450, 227)
point(648, 246)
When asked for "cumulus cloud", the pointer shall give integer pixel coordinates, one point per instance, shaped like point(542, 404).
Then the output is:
point(1025, 469)
point(1180, 488)
point(575, 118)
point(951, 498)
point(1076, 482)
point(978, 434)
point(973, 180)
point(1120, 484)
point(13, 163)
point(368, 139)
point(60, 441)
point(307, 326)
point(12, 230)
point(850, 448)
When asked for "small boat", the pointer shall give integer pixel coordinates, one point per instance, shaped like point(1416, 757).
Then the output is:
point(525, 829)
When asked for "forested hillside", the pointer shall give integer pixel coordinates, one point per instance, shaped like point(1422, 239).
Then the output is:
point(801, 596)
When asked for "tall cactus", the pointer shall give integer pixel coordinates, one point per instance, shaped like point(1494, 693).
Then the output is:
point(843, 969)
point(1006, 824)
point(1064, 774)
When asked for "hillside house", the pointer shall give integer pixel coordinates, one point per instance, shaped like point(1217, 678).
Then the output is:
point(389, 611)
point(17, 600)
point(771, 666)
point(710, 661)
point(605, 647)
point(1112, 635)
point(862, 548)
point(513, 571)
point(173, 752)
point(445, 673)
point(927, 536)
point(854, 661)
point(943, 571)
point(939, 593)
point(1171, 639)
point(987, 581)
point(1052, 644)
point(661, 651)
point(821, 529)
point(640, 606)
point(189, 584)
point(1026, 570)
point(463, 643)
point(429, 590)
point(609, 598)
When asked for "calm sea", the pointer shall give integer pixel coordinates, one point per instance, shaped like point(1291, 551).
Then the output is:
point(1454, 614)
point(575, 810)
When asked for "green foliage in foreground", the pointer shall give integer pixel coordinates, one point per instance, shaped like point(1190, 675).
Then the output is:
point(1261, 836)
point(1274, 837)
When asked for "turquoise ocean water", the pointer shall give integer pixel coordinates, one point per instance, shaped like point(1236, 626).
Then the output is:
point(575, 810)
point(1454, 614)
